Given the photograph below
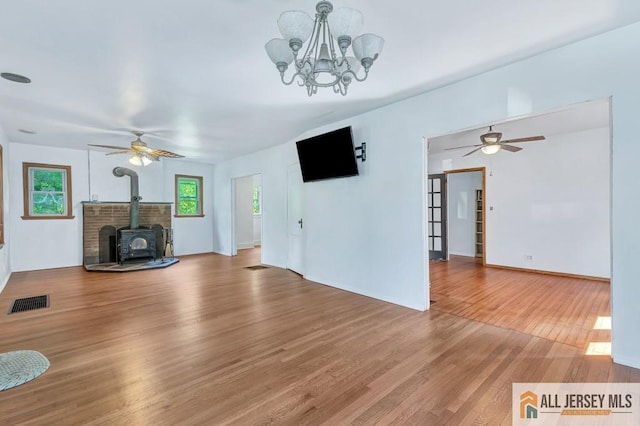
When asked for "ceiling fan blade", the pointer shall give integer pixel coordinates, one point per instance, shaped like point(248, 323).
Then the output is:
point(163, 153)
point(510, 148)
point(529, 139)
point(128, 151)
point(460, 147)
point(477, 149)
point(122, 148)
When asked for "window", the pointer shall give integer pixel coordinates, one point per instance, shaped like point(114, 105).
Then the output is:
point(257, 202)
point(47, 191)
point(188, 196)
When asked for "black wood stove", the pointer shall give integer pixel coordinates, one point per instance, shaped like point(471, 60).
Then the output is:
point(134, 241)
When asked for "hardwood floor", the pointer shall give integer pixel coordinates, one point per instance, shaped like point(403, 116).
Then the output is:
point(556, 308)
point(208, 341)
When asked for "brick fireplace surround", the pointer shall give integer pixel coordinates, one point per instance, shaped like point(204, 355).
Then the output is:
point(96, 215)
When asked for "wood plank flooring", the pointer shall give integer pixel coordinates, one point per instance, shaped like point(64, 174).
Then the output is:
point(210, 342)
point(556, 308)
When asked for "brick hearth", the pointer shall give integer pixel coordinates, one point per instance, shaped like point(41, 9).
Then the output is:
point(117, 214)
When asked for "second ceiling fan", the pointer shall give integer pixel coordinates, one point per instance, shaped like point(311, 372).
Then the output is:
point(492, 142)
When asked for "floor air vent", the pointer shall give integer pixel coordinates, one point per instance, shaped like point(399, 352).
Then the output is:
point(257, 267)
point(29, 304)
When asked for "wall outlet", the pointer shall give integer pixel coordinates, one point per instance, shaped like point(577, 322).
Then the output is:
point(528, 257)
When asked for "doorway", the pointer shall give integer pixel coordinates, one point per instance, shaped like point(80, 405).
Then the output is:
point(466, 229)
point(247, 213)
point(548, 202)
point(547, 216)
point(456, 214)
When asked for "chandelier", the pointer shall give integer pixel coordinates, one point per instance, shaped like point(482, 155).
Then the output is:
point(320, 64)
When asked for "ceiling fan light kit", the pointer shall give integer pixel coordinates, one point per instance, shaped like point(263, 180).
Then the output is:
point(490, 149)
point(140, 160)
point(324, 61)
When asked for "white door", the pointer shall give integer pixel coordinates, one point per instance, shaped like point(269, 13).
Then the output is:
point(295, 219)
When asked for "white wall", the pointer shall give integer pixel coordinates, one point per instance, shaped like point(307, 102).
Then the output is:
point(358, 229)
point(5, 267)
point(257, 229)
point(461, 212)
point(108, 187)
point(55, 243)
point(550, 201)
point(244, 212)
point(366, 233)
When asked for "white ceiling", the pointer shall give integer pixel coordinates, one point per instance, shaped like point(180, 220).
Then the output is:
point(194, 74)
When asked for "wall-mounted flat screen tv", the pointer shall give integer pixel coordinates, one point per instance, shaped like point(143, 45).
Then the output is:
point(327, 156)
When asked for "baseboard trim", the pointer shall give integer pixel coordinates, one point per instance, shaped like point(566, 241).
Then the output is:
point(241, 246)
point(556, 274)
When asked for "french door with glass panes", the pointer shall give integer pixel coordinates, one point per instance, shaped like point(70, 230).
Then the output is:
point(437, 217)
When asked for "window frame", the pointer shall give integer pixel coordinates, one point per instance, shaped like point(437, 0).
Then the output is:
point(26, 186)
point(199, 195)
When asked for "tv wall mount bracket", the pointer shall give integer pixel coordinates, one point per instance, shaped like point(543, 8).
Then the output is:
point(363, 152)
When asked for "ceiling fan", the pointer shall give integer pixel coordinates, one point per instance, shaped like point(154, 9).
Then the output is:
point(492, 143)
point(143, 155)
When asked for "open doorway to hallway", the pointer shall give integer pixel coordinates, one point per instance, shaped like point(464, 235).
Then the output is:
point(247, 213)
point(547, 226)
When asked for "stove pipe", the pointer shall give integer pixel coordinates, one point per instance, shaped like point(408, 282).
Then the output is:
point(135, 197)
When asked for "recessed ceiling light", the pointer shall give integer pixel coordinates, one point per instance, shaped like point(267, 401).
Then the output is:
point(28, 132)
point(15, 77)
